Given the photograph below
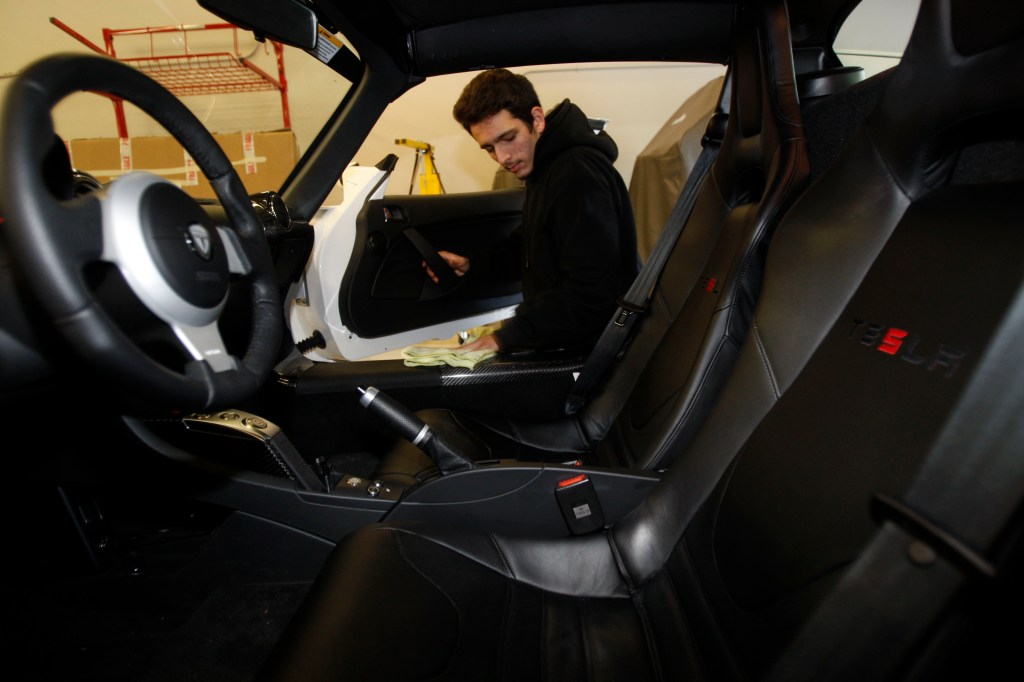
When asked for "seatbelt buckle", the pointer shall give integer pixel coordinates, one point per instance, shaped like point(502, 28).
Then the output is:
point(578, 501)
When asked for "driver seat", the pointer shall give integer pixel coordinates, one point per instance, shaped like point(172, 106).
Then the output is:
point(888, 288)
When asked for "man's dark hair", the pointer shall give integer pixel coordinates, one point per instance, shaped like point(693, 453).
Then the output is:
point(491, 91)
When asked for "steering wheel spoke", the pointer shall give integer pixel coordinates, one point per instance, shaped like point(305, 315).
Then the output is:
point(205, 343)
point(238, 259)
point(78, 224)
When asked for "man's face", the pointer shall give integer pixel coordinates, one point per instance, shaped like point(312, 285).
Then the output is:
point(509, 140)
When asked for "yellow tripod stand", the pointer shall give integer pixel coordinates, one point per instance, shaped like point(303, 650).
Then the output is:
point(430, 179)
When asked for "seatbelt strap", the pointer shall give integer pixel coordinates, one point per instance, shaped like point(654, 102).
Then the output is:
point(930, 545)
point(447, 279)
point(635, 302)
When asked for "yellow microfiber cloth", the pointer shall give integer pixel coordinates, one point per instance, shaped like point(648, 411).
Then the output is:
point(449, 354)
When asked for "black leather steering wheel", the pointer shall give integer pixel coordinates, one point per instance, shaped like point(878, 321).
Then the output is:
point(176, 260)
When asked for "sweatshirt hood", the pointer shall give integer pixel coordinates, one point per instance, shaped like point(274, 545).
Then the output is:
point(567, 126)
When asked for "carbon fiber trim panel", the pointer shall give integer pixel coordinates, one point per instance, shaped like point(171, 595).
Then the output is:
point(508, 371)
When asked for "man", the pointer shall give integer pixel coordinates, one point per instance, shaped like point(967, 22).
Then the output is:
point(577, 249)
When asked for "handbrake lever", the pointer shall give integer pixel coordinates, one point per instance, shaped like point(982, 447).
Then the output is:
point(449, 450)
point(245, 425)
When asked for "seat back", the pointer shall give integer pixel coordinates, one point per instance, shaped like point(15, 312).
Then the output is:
point(884, 288)
point(661, 387)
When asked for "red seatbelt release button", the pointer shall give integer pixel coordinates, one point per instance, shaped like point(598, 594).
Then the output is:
point(578, 501)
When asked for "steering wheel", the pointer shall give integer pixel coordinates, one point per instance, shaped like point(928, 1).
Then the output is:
point(167, 248)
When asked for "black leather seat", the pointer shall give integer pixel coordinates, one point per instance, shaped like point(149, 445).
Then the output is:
point(884, 288)
point(661, 387)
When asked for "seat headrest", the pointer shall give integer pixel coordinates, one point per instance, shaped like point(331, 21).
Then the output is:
point(825, 82)
point(957, 83)
point(760, 99)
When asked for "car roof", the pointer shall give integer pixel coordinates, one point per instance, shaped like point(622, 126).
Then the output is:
point(433, 38)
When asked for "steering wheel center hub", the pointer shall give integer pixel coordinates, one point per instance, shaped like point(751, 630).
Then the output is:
point(170, 252)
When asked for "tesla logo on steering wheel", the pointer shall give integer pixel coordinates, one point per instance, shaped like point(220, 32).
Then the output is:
point(198, 239)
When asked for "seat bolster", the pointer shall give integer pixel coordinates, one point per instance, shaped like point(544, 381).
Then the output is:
point(562, 437)
point(478, 545)
point(579, 566)
point(582, 566)
point(414, 601)
point(384, 579)
point(964, 72)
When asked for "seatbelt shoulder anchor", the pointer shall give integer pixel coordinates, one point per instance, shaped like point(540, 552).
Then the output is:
point(626, 310)
point(938, 539)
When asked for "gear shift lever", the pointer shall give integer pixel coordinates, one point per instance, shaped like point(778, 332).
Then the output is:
point(397, 415)
point(448, 449)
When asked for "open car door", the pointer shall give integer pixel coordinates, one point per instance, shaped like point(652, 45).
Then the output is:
point(365, 290)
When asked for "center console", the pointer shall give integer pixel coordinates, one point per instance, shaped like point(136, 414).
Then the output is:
point(244, 461)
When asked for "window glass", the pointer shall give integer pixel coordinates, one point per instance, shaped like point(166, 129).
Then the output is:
point(876, 33)
point(636, 100)
point(224, 76)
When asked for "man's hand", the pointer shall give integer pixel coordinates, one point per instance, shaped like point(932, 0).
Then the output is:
point(459, 264)
point(486, 342)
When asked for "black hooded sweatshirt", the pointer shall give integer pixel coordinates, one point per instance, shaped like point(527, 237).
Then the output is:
point(578, 249)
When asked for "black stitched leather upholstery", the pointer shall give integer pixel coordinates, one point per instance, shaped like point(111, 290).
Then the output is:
point(883, 286)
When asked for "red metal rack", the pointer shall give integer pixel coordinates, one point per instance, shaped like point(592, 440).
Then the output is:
point(192, 73)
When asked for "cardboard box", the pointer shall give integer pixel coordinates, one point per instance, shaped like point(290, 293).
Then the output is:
point(262, 159)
